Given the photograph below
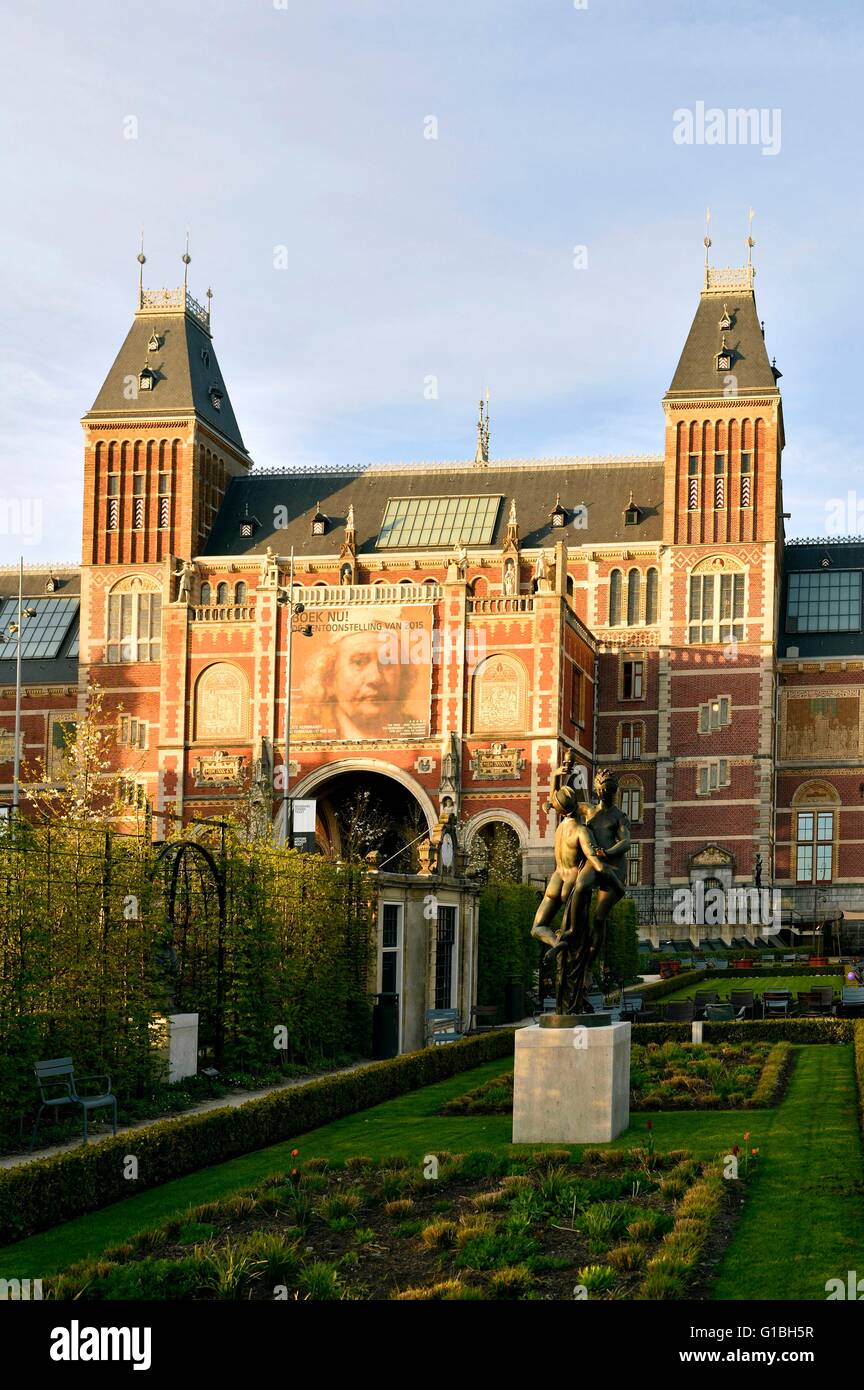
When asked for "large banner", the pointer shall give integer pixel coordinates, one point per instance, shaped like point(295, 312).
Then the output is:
point(365, 673)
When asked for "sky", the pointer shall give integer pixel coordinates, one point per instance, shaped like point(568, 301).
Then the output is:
point(401, 204)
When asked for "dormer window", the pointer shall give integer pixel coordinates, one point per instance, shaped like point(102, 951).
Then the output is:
point(205, 357)
point(724, 357)
point(558, 515)
point(319, 522)
point(632, 513)
point(726, 321)
point(216, 398)
point(248, 525)
point(155, 343)
point(146, 380)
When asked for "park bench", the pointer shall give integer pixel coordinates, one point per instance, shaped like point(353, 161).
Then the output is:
point(58, 1075)
point(442, 1026)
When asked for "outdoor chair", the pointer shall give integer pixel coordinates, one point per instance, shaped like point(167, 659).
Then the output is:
point(58, 1075)
point(719, 1013)
point(790, 956)
point(743, 999)
point(702, 998)
point(825, 993)
point(767, 957)
point(596, 1001)
point(811, 1004)
point(776, 1003)
point(482, 1016)
point(631, 1006)
point(721, 964)
point(442, 1026)
point(852, 1000)
point(680, 1011)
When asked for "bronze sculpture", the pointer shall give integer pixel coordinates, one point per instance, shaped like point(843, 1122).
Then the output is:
point(591, 843)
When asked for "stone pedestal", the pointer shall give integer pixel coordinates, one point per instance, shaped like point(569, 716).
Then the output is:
point(571, 1085)
point(177, 1040)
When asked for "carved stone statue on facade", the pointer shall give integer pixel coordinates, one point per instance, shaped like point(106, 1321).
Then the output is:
point(184, 575)
point(590, 850)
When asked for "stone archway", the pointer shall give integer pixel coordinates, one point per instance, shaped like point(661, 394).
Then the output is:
point(483, 834)
point(364, 805)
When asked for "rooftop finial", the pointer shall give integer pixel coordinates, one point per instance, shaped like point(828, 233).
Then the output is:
point(750, 242)
point(186, 258)
point(707, 237)
point(141, 260)
point(482, 454)
point(209, 305)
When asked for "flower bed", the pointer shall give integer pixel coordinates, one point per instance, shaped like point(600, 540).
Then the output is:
point(673, 1076)
point(616, 1224)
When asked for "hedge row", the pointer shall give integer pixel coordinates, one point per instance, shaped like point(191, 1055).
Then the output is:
point(49, 1191)
point(774, 1079)
point(793, 1030)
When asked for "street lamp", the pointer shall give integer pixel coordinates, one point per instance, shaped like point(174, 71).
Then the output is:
point(285, 599)
point(16, 629)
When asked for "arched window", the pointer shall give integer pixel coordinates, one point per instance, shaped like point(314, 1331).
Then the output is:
point(222, 593)
point(652, 589)
point(615, 598)
point(815, 829)
point(716, 600)
point(135, 620)
point(221, 703)
point(240, 592)
point(631, 798)
point(206, 594)
point(570, 587)
point(633, 585)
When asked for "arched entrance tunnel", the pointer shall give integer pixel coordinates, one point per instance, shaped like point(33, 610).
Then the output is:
point(360, 812)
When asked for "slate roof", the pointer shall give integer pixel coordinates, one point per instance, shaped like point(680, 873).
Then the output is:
point(697, 374)
point(603, 486)
point(186, 370)
point(59, 670)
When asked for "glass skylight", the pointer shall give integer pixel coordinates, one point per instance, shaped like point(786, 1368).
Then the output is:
point(419, 521)
point(43, 634)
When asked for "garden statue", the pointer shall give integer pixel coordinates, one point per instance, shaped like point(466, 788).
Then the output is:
point(591, 845)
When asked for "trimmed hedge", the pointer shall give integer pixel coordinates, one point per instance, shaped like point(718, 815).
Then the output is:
point(47, 1192)
point(506, 949)
point(793, 1030)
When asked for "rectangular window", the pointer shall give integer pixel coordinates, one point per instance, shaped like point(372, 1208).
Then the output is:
point(632, 676)
point(163, 484)
point(719, 481)
point(693, 482)
point(712, 775)
point(714, 715)
point(634, 865)
point(630, 799)
point(113, 484)
point(824, 601)
point(391, 921)
point(805, 864)
point(576, 692)
point(716, 608)
point(445, 941)
point(138, 485)
point(426, 521)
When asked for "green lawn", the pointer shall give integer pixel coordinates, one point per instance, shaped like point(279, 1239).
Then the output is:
point(735, 979)
point(801, 1224)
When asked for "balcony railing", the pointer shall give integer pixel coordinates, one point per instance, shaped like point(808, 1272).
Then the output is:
point(223, 613)
point(515, 603)
point(325, 595)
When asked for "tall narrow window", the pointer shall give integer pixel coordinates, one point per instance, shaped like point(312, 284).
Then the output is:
point(630, 800)
point(746, 480)
point(391, 922)
point(693, 482)
point(631, 741)
point(634, 864)
point(633, 586)
point(240, 592)
point(164, 503)
point(652, 588)
point(615, 598)
point(134, 625)
point(113, 515)
point(445, 941)
point(138, 501)
point(222, 593)
point(814, 848)
point(631, 680)
point(719, 481)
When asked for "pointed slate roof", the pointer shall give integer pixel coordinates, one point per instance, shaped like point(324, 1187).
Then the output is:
point(725, 293)
point(185, 366)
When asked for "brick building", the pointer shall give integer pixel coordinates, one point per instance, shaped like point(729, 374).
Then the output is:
point(467, 628)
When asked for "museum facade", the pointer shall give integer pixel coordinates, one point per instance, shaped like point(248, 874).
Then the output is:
point(461, 635)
